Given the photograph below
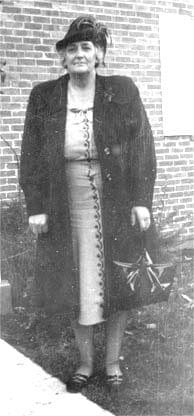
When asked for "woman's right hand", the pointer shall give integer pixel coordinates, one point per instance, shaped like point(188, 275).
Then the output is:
point(38, 223)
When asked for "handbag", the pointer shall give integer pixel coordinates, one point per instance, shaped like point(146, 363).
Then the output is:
point(143, 282)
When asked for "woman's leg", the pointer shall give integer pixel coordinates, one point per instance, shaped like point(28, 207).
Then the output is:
point(84, 340)
point(116, 325)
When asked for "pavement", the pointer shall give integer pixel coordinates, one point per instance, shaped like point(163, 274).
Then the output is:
point(27, 390)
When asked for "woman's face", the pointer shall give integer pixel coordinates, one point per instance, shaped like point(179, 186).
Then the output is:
point(80, 57)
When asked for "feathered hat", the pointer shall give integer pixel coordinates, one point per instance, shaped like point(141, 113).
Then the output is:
point(85, 28)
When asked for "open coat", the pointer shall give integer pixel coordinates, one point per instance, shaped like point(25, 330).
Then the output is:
point(126, 153)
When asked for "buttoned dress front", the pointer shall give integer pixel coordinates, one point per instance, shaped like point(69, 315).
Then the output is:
point(85, 195)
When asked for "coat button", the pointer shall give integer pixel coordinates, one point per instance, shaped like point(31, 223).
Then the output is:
point(107, 151)
point(109, 177)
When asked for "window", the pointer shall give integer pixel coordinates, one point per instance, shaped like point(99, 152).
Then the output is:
point(177, 74)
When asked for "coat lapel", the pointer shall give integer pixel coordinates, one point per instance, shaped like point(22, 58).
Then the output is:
point(98, 116)
point(56, 119)
point(101, 105)
point(58, 100)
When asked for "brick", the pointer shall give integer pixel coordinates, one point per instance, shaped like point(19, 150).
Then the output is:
point(13, 39)
point(23, 47)
point(187, 212)
point(5, 113)
point(162, 151)
point(144, 14)
point(166, 163)
point(26, 61)
point(172, 157)
point(22, 32)
point(8, 187)
point(7, 173)
point(177, 194)
point(11, 91)
point(7, 159)
point(14, 54)
point(31, 40)
point(11, 9)
point(5, 98)
point(11, 120)
point(42, 5)
point(7, 46)
point(40, 33)
point(126, 6)
point(41, 19)
point(16, 128)
point(10, 136)
point(187, 180)
point(31, 11)
point(180, 162)
point(11, 195)
point(42, 48)
point(20, 114)
point(189, 149)
point(44, 62)
point(47, 27)
point(33, 26)
point(5, 31)
point(12, 181)
point(12, 24)
point(12, 165)
point(7, 151)
point(185, 200)
point(30, 54)
point(181, 187)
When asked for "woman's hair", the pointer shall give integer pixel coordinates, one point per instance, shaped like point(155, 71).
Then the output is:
point(88, 29)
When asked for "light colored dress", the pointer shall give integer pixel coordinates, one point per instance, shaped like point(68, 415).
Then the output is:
point(84, 187)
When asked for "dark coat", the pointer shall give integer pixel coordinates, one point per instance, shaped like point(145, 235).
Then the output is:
point(125, 147)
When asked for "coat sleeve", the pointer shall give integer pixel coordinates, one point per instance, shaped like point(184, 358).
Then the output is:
point(141, 162)
point(33, 167)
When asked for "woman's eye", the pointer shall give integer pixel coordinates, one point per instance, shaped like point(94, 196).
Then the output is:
point(71, 49)
point(85, 47)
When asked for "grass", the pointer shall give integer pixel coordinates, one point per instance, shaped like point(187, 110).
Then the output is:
point(157, 351)
point(17, 250)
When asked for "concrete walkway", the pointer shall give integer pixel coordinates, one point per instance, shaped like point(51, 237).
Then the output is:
point(27, 390)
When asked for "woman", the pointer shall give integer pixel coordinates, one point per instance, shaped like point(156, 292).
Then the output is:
point(88, 172)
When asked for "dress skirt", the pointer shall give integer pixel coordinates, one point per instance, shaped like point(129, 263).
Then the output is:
point(84, 182)
point(84, 190)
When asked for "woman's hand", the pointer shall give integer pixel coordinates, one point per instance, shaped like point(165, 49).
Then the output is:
point(140, 216)
point(38, 223)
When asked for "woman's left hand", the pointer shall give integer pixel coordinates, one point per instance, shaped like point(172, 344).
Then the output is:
point(140, 216)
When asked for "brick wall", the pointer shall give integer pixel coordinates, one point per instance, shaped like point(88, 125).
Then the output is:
point(29, 31)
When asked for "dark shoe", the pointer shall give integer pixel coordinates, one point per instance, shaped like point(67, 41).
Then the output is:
point(77, 382)
point(114, 382)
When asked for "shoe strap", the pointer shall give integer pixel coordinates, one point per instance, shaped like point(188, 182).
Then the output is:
point(79, 378)
point(114, 379)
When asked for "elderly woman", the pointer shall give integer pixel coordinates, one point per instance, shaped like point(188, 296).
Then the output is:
point(88, 172)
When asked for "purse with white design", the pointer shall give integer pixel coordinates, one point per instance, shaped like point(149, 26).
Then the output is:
point(143, 283)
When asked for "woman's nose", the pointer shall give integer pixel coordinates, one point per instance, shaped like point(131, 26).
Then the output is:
point(79, 51)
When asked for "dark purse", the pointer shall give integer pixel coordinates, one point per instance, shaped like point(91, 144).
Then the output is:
point(143, 282)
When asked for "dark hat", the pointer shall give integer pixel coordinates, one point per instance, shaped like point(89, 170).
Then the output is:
point(85, 28)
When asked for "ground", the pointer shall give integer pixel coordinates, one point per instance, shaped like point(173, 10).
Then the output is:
point(156, 356)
